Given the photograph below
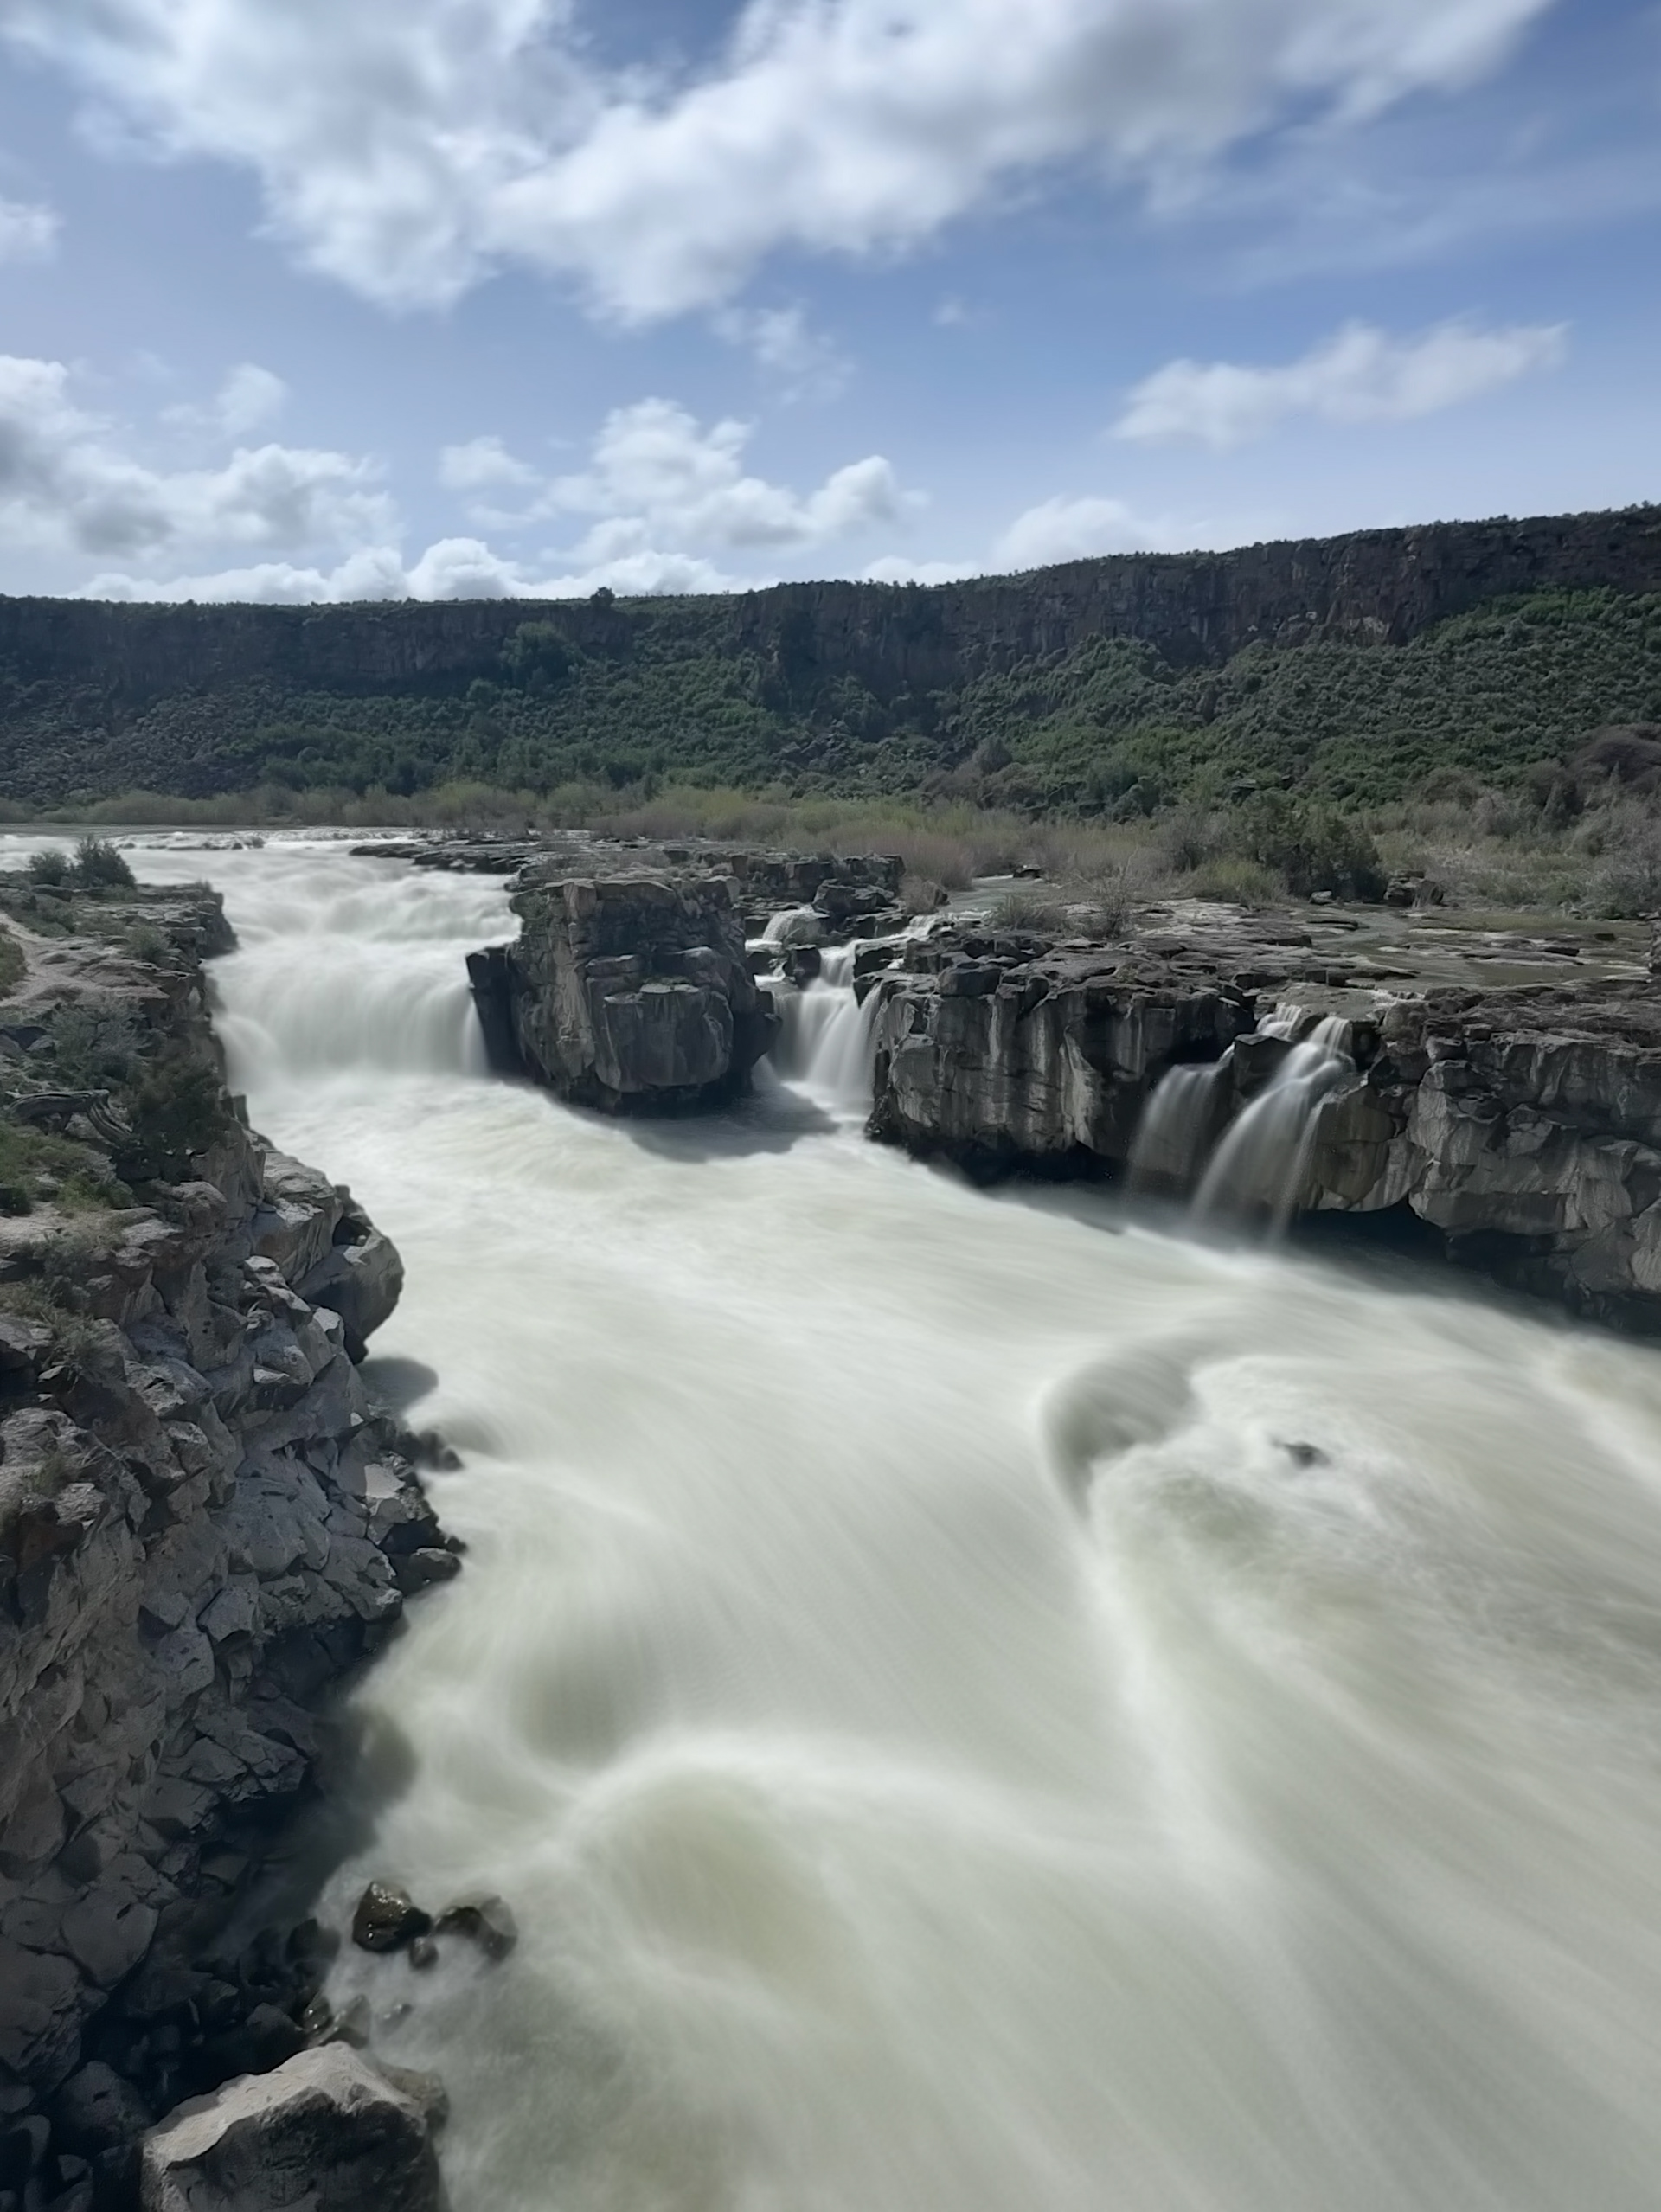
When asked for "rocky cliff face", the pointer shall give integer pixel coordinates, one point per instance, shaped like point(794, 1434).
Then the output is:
point(1380, 585)
point(204, 1521)
point(628, 993)
point(1001, 1054)
point(1523, 1125)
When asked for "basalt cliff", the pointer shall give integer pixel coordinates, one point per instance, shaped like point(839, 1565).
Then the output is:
point(205, 1523)
point(864, 687)
point(1517, 1122)
point(1500, 1093)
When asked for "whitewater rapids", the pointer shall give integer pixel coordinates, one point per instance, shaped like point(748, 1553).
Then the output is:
point(978, 1705)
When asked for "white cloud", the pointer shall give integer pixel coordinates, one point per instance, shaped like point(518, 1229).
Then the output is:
point(406, 146)
point(249, 399)
point(896, 569)
point(1073, 529)
point(1360, 375)
point(65, 486)
point(801, 361)
point(453, 568)
point(656, 481)
point(28, 232)
point(484, 464)
point(659, 497)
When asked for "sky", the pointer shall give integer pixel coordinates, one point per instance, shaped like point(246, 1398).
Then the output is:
point(324, 299)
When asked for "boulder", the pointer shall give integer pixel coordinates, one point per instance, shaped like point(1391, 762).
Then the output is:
point(325, 2132)
point(361, 1280)
point(630, 994)
point(487, 1921)
point(388, 1917)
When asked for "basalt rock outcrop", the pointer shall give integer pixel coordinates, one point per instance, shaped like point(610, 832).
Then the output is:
point(204, 1519)
point(1523, 1125)
point(1002, 1053)
point(626, 993)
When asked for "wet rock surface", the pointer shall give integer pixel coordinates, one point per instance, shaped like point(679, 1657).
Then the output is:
point(1522, 1123)
point(202, 1517)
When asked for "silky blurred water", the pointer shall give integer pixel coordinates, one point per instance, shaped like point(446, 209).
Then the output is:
point(978, 1705)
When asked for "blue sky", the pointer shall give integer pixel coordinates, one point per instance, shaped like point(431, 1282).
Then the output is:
point(326, 299)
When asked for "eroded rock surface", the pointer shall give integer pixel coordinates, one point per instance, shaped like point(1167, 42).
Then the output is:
point(1524, 1125)
point(1521, 1123)
point(202, 1517)
point(1001, 1051)
point(324, 2132)
point(629, 993)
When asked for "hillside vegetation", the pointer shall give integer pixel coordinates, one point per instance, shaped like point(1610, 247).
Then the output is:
point(1110, 726)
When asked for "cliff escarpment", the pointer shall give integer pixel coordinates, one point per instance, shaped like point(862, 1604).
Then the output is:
point(204, 1522)
point(848, 685)
point(1261, 1070)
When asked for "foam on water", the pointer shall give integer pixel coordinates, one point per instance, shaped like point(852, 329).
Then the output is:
point(972, 1712)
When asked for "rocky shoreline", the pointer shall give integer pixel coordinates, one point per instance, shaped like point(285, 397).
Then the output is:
point(206, 1523)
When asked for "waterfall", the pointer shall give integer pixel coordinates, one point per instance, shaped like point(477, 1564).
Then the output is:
point(1179, 1126)
point(826, 1040)
point(970, 1713)
point(312, 992)
point(1261, 1166)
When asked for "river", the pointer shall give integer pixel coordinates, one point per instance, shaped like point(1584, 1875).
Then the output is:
point(978, 1704)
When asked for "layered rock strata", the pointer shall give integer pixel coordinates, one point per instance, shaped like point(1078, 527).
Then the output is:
point(626, 993)
point(1523, 1125)
point(1002, 1053)
point(204, 1522)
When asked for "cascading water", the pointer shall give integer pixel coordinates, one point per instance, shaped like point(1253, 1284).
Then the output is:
point(826, 1040)
point(972, 1713)
point(1261, 1167)
point(1178, 1127)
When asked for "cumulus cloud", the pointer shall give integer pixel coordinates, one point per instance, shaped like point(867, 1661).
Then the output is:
point(484, 464)
point(660, 496)
point(1073, 530)
point(1360, 375)
point(65, 485)
point(248, 399)
point(656, 481)
point(453, 568)
point(27, 231)
point(802, 363)
point(408, 146)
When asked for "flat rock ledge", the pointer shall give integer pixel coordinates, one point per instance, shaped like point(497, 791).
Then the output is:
point(205, 1523)
point(1522, 1125)
point(630, 994)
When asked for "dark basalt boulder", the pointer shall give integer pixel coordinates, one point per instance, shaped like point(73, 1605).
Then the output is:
point(630, 994)
point(388, 1917)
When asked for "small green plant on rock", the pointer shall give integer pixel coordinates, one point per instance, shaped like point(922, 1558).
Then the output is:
point(178, 1108)
point(49, 869)
point(98, 867)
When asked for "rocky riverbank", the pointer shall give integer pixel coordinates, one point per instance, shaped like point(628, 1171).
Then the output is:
point(1521, 1123)
point(205, 1524)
